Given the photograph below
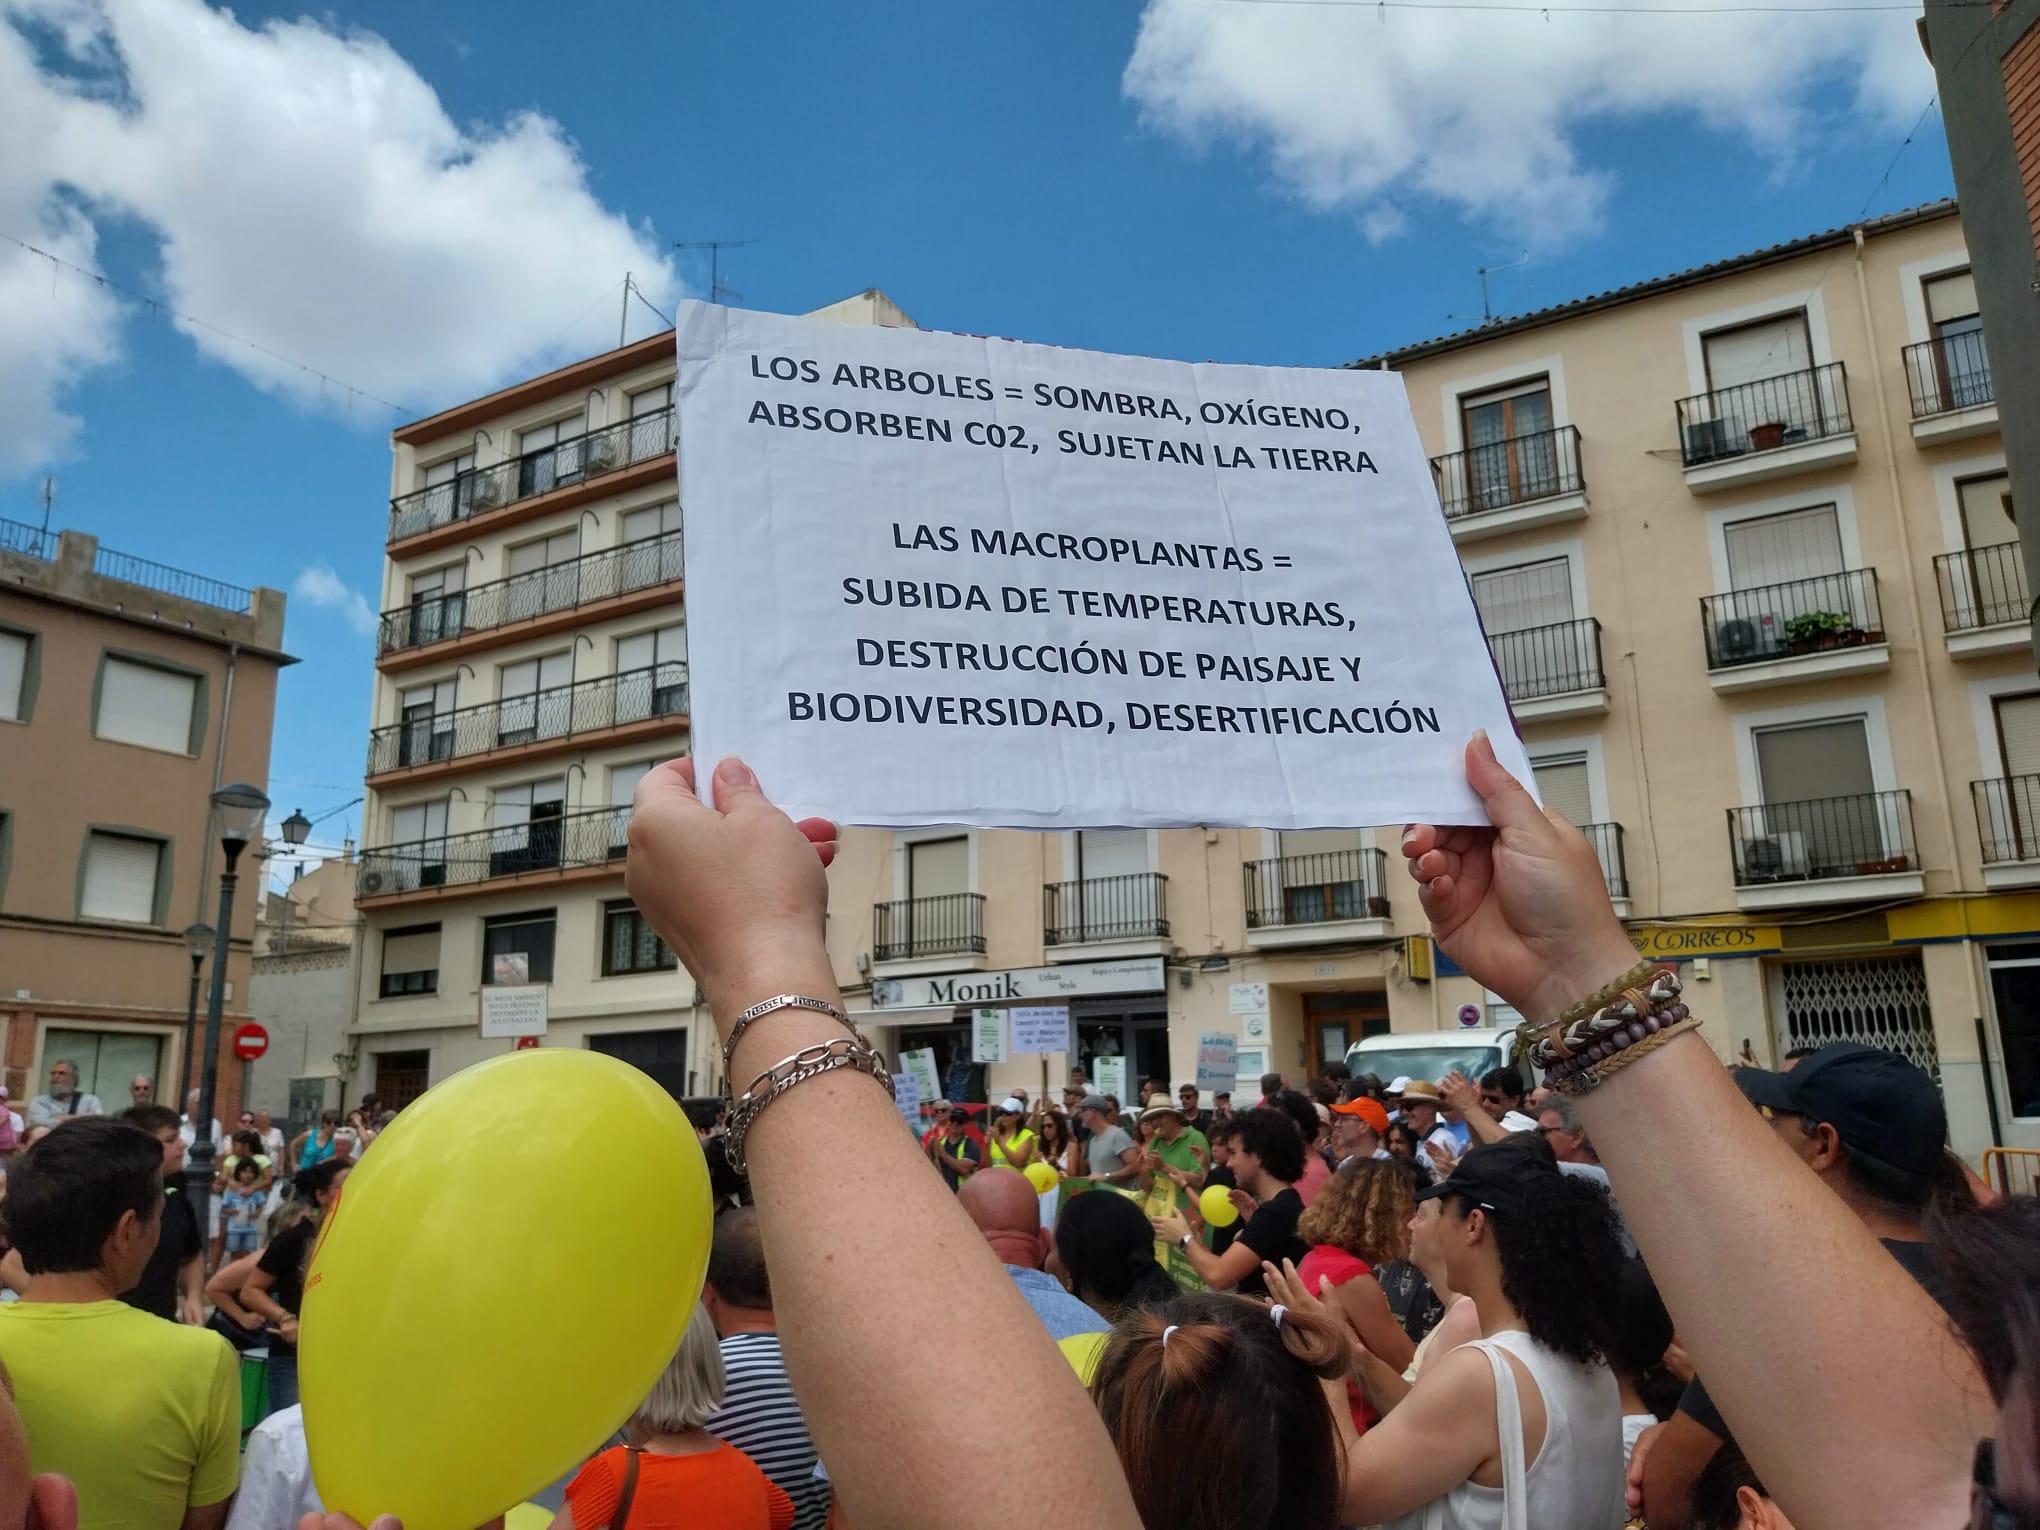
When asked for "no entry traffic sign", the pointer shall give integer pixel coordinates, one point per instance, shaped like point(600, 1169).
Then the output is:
point(250, 1041)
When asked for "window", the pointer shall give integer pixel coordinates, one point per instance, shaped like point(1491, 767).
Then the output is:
point(1111, 853)
point(651, 400)
point(2018, 727)
point(651, 422)
point(410, 961)
point(1961, 366)
point(13, 675)
point(438, 603)
point(124, 878)
point(2015, 990)
point(417, 855)
point(142, 704)
point(628, 944)
point(543, 575)
point(651, 674)
point(938, 868)
point(658, 563)
point(551, 455)
point(1510, 451)
point(450, 469)
point(419, 821)
point(662, 1054)
point(652, 521)
point(1777, 549)
point(536, 699)
point(518, 948)
point(1324, 875)
point(1527, 595)
point(1755, 352)
point(1987, 519)
point(527, 825)
point(1818, 790)
point(428, 723)
point(1563, 784)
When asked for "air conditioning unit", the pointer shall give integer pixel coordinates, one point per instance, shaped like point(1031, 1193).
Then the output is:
point(599, 454)
point(1706, 440)
point(1779, 857)
point(1743, 638)
point(485, 491)
point(372, 882)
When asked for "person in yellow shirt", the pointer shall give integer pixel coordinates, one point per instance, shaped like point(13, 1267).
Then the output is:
point(142, 1415)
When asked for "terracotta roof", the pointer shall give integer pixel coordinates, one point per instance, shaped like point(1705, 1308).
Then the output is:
point(1926, 212)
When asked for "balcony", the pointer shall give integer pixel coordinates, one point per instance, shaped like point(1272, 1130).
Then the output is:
point(1984, 601)
point(1551, 672)
point(575, 846)
point(1951, 388)
point(2008, 823)
point(1509, 485)
point(1770, 428)
point(921, 935)
point(616, 580)
point(1606, 838)
point(1825, 850)
point(609, 709)
point(1107, 917)
point(1311, 900)
point(575, 461)
point(1803, 629)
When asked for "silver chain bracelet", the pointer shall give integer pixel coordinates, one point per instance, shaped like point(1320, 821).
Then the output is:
point(808, 1062)
point(779, 1001)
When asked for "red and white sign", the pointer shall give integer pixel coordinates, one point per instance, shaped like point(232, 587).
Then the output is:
point(525, 1043)
point(250, 1041)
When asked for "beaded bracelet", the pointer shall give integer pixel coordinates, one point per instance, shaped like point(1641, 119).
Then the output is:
point(1576, 1033)
point(1579, 1075)
point(807, 1063)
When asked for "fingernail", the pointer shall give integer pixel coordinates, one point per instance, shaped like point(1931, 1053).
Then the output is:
point(731, 771)
point(1407, 835)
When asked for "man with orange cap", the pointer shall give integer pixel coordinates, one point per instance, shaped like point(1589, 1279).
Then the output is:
point(1358, 1127)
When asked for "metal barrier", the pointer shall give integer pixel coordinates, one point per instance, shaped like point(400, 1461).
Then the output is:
point(2011, 1171)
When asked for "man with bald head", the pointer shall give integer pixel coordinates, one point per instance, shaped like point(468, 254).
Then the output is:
point(1007, 1211)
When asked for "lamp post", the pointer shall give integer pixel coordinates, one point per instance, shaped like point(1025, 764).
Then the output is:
point(239, 810)
point(198, 939)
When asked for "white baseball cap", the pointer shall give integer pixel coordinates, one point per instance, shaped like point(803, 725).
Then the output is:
point(1399, 1083)
point(1009, 1103)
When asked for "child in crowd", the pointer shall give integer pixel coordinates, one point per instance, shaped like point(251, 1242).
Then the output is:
point(242, 1206)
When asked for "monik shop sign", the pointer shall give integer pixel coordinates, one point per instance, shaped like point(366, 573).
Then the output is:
point(1024, 985)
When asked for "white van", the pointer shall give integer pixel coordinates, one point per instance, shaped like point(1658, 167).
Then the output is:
point(1472, 1050)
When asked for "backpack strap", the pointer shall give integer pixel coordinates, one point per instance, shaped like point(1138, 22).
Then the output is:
point(623, 1499)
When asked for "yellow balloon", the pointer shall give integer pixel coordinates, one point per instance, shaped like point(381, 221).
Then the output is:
point(1217, 1207)
point(1042, 1177)
point(516, 1259)
point(1083, 1351)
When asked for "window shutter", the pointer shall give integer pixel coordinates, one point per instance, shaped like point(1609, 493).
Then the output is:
point(1829, 759)
point(412, 951)
point(1295, 842)
point(2019, 729)
point(623, 780)
point(1774, 549)
point(13, 664)
point(1112, 852)
point(1774, 348)
point(936, 867)
point(120, 878)
point(1951, 297)
point(1562, 783)
point(1528, 595)
point(651, 400)
point(139, 704)
point(1986, 519)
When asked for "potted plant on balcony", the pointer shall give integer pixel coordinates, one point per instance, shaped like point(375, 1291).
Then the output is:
point(1767, 435)
point(1885, 866)
point(1815, 629)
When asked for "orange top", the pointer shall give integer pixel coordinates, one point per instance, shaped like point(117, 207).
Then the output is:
point(720, 1489)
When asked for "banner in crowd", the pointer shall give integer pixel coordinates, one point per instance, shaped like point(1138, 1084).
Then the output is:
point(1040, 1028)
point(937, 578)
point(1217, 1061)
point(988, 1036)
point(1108, 1076)
point(920, 1066)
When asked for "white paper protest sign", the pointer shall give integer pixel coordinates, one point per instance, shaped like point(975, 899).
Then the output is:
point(1217, 1060)
point(920, 1065)
point(934, 578)
point(1040, 1028)
point(907, 1099)
point(1108, 1076)
point(988, 1036)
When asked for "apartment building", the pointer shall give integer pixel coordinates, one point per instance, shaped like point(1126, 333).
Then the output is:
point(128, 692)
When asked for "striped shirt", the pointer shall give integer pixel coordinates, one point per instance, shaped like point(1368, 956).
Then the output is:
point(760, 1417)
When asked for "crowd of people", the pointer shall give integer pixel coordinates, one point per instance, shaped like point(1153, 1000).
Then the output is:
point(1612, 1282)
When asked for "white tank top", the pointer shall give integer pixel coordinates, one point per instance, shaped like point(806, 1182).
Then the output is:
point(1575, 1483)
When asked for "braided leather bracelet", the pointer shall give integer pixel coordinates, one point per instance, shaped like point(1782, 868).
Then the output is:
point(807, 1063)
point(1581, 1077)
point(1547, 1045)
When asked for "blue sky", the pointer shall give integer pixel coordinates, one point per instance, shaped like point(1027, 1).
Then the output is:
point(1275, 194)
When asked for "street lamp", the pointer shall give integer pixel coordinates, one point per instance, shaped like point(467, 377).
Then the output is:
point(198, 939)
point(240, 811)
point(296, 827)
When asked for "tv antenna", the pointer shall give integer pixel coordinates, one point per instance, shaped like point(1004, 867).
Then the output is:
point(1487, 312)
point(717, 292)
point(49, 500)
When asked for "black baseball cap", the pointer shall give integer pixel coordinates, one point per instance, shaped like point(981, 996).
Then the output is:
point(1881, 1106)
point(1496, 1176)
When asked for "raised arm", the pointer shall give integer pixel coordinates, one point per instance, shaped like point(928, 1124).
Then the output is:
point(1843, 1432)
point(738, 892)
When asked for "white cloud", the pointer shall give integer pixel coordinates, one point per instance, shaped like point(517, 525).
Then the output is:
point(318, 585)
point(308, 192)
point(1488, 114)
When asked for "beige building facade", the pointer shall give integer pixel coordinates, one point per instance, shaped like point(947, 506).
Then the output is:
point(128, 692)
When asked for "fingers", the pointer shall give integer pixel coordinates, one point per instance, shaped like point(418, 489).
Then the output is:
point(670, 782)
point(735, 787)
point(52, 1503)
point(1508, 805)
point(822, 835)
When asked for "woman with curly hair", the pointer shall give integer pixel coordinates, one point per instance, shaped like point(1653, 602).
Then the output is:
point(1530, 1408)
point(1359, 1222)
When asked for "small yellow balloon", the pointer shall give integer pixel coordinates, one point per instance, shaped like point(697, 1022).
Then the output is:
point(1216, 1206)
point(1083, 1351)
point(541, 1215)
point(1041, 1177)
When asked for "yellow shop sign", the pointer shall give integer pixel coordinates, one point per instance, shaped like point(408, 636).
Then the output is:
point(1683, 942)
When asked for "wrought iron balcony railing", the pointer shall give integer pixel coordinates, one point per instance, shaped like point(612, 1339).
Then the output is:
point(2008, 819)
point(30, 541)
point(559, 587)
point(1764, 415)
point(574, 460)
point(1949, 372)
point(1867, 834)
point(952, 924)
point(1316, 889)
point(1501, 474)
point(565, 711)
point(166, 580)
point(1130, 907)
point(562, 842)
point(1982, 587)
point(1549, 661)
point(1800, 616)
